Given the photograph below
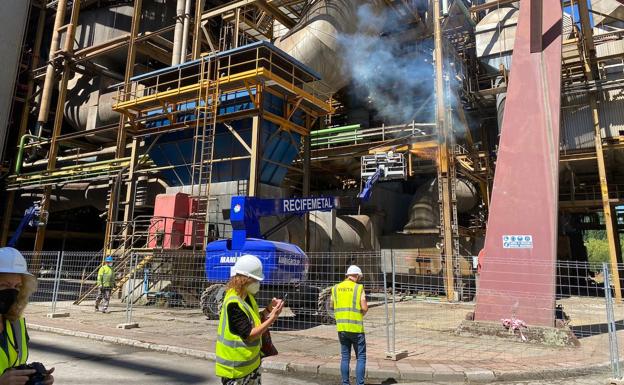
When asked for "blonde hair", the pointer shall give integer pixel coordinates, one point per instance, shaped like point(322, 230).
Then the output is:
point(29, 286)
point(238, 283)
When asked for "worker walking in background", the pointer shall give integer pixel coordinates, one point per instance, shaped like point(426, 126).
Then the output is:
point(350, 306)
point(105, 283)
point(239, 336)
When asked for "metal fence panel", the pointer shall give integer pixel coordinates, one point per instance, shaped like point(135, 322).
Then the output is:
point(408, 310)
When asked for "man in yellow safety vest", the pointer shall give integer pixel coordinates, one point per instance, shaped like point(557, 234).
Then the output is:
point(105, 283)
point(349, 302)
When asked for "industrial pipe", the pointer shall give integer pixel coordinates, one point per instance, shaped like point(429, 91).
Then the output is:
point(185, 33)
point(315, 39)
point(177, 33)
point(80, 156)
point(48, 85)
point(334, 130)
point(20, 152)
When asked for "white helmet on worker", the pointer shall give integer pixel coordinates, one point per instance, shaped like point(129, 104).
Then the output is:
point(12, 261)
point(249, 266)
point(354, 270)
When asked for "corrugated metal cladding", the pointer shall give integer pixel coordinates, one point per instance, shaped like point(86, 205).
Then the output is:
point(576, 119)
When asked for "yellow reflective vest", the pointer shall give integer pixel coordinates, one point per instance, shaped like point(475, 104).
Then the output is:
point(15, 352)
point(237, 358)
point(106, 277)
point(347, 306)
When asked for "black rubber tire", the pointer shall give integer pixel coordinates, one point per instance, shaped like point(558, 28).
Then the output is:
point(324, 309)
point(211, 300)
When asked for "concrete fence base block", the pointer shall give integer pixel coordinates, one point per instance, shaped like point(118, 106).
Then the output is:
point(57, 315)
point(131, 325)
point(275, 366)
point(480, 376)
point(395, 356)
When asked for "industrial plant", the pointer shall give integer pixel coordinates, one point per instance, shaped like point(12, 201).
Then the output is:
point(397, 126)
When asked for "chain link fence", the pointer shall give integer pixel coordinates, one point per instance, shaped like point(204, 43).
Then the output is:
point(406, 293)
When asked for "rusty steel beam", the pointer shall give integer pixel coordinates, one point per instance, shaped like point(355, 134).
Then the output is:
point(536, 25)
point(518, 277)
point(591, 72)
point(113, 204)
point(444, 159)
point(58, 120)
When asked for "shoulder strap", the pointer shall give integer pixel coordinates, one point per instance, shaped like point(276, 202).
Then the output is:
point(16, 327)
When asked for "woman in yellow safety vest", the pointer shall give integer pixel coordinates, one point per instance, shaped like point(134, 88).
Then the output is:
point(16, 286)
point(239, 336)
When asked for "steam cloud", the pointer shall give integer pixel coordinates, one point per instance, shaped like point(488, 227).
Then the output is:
point(397, 82)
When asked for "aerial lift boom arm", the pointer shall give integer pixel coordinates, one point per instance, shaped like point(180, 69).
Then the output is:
point(32, 217)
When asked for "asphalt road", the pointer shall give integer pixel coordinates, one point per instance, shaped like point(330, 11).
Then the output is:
point(83, 361)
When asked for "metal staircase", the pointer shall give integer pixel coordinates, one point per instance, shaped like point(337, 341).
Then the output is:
point(126, 238)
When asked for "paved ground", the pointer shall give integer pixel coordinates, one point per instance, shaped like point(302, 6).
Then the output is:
point(424, 329)
point(80, 361)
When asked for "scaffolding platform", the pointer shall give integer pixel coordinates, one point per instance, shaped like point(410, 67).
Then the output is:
point(170, 96)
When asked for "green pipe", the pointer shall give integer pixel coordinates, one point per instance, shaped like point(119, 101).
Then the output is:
point(334, 141)
point(334, 130)
point(342, 135)
point(20, 152)
point(338, 139)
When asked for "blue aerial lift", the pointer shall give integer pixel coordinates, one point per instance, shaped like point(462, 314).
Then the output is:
point(33, 217)
point(285, 265)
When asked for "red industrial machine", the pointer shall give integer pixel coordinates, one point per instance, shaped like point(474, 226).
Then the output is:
point(171, 227)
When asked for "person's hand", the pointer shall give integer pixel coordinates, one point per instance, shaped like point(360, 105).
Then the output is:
point(16, 377)
point(276, 310)
point(274, 303)
point(49, 380)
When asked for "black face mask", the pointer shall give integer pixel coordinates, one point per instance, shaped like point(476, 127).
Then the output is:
point(7, 299)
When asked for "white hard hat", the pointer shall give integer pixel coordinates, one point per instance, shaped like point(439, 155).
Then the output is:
point(12, 261)
point(352, 270)
point(249, 266)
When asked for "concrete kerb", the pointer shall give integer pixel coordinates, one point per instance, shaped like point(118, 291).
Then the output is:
point(404, 374)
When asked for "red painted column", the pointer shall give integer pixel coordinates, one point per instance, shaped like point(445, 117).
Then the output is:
point(518, 272)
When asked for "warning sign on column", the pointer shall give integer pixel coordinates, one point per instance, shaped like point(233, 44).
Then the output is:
point(517, 241)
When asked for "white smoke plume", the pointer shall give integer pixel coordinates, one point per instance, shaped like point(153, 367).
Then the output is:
point(398, 82)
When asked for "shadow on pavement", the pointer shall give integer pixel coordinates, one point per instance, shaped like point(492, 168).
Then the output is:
point(178, 376)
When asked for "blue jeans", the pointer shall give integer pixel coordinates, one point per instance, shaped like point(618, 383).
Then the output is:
point(358, 341)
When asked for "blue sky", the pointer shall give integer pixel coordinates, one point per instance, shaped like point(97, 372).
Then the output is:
point(574, 11)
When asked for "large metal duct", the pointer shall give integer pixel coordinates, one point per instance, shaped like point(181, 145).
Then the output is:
point(343, 233)
point(101, 24)
point(314, 40)
point(613, 8)
point(424, 210)
point(90, 99)
point(83, 194)
point(13, 17)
